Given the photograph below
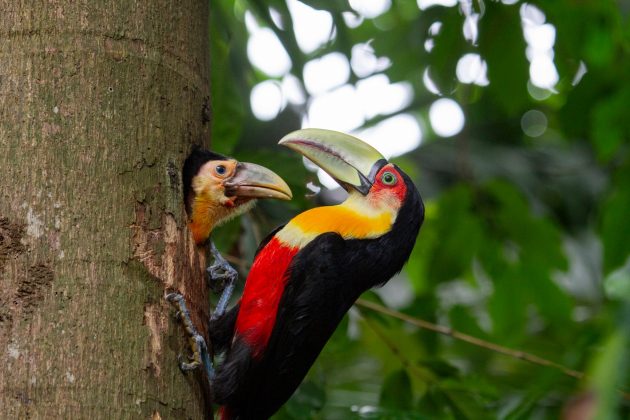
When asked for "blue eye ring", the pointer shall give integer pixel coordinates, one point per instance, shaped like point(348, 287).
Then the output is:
point(388, 178)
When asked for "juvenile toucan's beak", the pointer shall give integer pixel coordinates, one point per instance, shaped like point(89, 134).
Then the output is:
point(350, 161)
point(255, 181)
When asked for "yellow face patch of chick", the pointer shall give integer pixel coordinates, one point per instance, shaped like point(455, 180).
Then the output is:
point(225, 188)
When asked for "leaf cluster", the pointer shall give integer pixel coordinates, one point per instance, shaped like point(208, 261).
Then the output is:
point(526, 240)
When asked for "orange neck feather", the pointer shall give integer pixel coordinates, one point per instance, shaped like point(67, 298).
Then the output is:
point(208, 213)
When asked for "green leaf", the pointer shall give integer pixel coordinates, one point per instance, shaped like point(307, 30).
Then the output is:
point(610, 124)
point(544, 384)
point(617, 284)
point(610, 369)
point(599, 48)
point(615, 227)
point(227, 101)
point(307, 400)
point(507, 307)
point(449, 46)
point(422, 253)
point(462, 400)
point(370, 412)
point(462, 320)
point(396, 391)
point(504, 52)
point(460, 234)
point(521, 269)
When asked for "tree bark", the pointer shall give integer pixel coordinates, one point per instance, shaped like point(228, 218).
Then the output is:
point(99, 104)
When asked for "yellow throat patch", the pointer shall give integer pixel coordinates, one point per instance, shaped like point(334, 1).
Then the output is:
point(355, 218)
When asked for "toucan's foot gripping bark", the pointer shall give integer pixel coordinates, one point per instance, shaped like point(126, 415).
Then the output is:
point(222, 276)
point(198, 345)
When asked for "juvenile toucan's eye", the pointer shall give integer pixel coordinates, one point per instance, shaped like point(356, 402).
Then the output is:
point(220, 170)
point(388, 178)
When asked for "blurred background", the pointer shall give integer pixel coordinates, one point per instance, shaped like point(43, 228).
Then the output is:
point(513, 119)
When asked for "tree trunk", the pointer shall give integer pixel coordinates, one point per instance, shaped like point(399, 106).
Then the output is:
point(99, 104)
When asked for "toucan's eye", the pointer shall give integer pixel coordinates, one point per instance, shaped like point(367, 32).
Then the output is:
point(220, 170)
point(389, 178)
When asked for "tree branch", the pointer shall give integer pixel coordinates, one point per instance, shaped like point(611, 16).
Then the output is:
point(517, 354)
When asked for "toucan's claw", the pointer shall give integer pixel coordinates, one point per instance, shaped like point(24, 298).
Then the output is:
point(200, 356)
point(186, 366)
point(220, 274)
point(222, 277)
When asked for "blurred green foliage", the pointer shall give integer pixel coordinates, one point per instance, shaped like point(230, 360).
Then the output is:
point(526, 240)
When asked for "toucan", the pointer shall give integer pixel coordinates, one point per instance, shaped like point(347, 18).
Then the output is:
point(307, 274)
point(216, 189)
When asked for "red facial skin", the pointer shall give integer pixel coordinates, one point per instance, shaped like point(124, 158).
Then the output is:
point(393, 194)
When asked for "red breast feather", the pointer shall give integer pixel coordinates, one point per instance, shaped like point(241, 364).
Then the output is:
point(261, 297)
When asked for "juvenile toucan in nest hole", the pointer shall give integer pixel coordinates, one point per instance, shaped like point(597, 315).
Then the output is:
point(216, 189)
point(309, 272)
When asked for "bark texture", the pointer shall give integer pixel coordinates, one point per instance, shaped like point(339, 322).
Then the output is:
point(99, 104)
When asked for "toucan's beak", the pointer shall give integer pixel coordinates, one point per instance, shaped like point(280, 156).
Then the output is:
point(255, 181)
point(350, 161)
